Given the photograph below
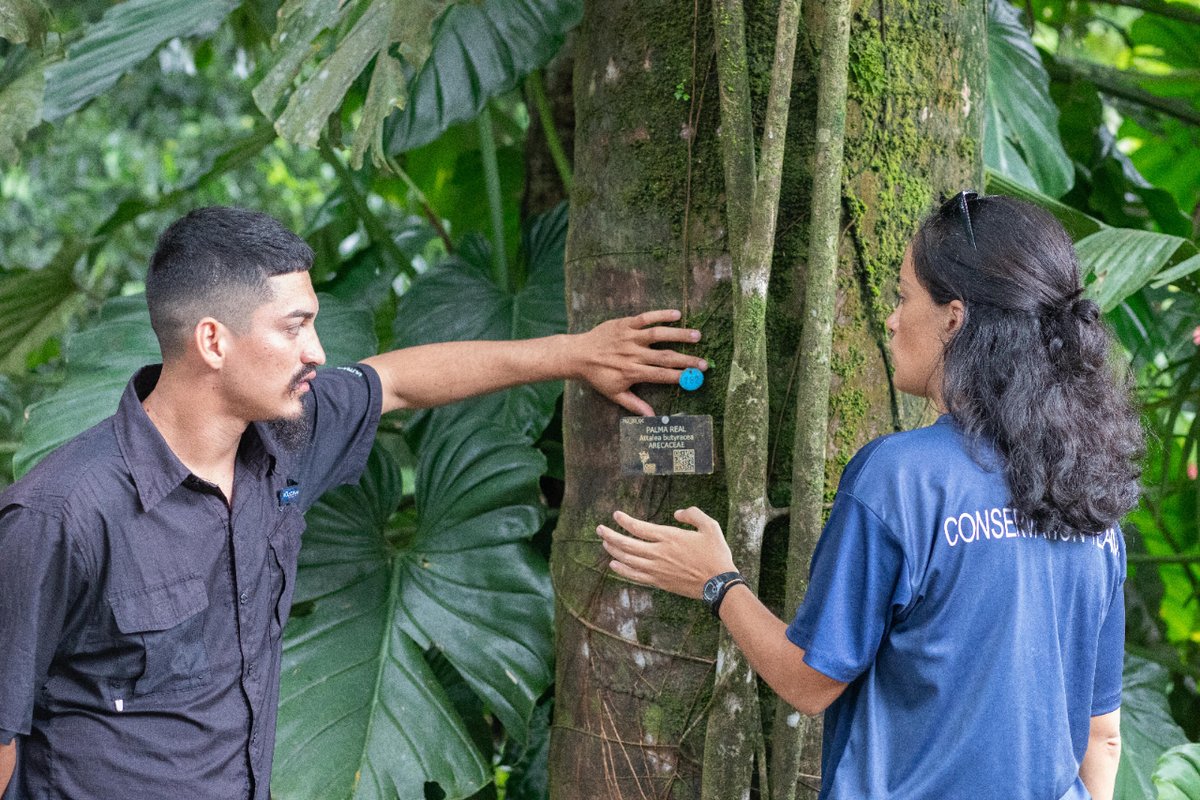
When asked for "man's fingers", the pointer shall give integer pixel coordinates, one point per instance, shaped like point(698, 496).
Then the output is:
point(657, 317)
point(696, 518)
point(629, 573)
point(660, 334)
point(674, 360)
point(631, 402)
point(620, 545)
point(652, 374)
point(640, 527)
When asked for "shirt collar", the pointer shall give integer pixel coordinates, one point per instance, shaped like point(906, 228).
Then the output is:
point(154, 467)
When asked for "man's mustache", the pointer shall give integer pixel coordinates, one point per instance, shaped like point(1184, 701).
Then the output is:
point(306, 373)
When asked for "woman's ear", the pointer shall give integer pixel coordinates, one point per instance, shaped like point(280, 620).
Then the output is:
point(956, 313)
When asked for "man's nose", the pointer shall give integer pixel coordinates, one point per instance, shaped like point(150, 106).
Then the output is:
point(314, 353)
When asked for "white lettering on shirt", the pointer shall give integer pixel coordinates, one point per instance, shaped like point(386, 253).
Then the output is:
point(1005, 523)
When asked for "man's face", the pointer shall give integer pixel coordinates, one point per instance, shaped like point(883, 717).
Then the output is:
point(270, 364)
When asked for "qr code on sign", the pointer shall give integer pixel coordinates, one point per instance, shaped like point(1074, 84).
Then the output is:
point(685, 461)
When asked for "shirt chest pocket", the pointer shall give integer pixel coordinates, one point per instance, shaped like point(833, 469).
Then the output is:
point(162, 628)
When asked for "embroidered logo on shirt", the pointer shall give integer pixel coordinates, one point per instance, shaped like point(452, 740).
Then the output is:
point(351, 370)
point(289, 495)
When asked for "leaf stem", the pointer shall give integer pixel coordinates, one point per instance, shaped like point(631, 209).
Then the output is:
point(375, 228)
point(422, 200)
point(491, 176)
point(537, 90)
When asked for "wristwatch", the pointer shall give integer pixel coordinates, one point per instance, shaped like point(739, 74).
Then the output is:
point(716, 587)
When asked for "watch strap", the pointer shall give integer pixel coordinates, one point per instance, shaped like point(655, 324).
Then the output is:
point(724, 582)
point(716, 606)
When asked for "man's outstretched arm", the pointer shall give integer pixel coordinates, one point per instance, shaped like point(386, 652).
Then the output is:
point(8, 762)
point(611, 357)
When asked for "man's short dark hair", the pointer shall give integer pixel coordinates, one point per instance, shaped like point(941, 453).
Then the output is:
point(215, 262)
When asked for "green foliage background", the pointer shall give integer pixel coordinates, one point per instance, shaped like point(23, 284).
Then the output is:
point(391, 134)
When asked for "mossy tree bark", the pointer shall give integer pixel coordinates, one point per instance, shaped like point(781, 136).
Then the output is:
point(649, 230)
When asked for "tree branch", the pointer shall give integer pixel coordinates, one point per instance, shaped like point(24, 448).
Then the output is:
point(1122, 84)
point(752, 201)
point(815, 349)
point(737, 132)
point(1177, 11)
point(1143, 558)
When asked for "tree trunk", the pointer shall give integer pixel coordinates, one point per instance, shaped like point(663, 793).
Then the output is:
point(648, 230)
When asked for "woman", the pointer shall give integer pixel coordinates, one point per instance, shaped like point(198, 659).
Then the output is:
point(963, 628)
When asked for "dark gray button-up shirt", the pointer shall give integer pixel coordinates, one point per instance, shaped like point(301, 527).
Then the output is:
point(140, 616)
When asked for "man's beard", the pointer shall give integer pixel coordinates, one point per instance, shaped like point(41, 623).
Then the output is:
point(291, 433)
point(294, 433)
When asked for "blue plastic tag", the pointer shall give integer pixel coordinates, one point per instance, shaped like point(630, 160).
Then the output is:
point(289, 495)
point(691, 379)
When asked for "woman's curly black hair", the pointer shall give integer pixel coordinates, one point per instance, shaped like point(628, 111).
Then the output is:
point(1030, 370)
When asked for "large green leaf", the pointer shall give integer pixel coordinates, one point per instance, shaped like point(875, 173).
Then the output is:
point(36, 304)
point(1178, 774)
point(102, 356)
point(124, 36)
point(1121, 261)
point(458, 300)
point(1021, 123)
point(1077, 223)
point(361, 713)
point(379, 31)
point(1147, 729)
point(479, 51)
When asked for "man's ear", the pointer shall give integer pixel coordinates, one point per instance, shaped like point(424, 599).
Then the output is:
point(210, 338)
point(956, 313)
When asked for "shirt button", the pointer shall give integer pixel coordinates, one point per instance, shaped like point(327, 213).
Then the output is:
point(244, 597)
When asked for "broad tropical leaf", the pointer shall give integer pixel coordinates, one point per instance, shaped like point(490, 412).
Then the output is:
point(1021, 123)
point(1147, 729)
point(461, 296)
point(36, 304)
point(124, 36)
point(1077, 223)
point(362, 714)
point(379, 30)
point(101, 358)
point(479, 51)
point(1121, 261)
point(1178, 774)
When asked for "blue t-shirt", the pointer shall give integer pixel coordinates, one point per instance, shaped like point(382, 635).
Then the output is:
point(975, 654)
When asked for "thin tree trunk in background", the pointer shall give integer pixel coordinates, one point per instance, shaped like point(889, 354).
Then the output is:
point(648, 230)
point(543, 182)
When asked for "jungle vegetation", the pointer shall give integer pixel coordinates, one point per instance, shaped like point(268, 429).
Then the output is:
point(513, 168)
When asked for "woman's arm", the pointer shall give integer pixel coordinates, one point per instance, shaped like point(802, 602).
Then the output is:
point(680, 561)
point(1099, 768)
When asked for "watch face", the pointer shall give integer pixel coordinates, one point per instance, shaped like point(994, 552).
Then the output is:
point(711, 587)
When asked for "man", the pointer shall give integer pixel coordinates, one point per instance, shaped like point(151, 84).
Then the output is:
point(149, 563)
